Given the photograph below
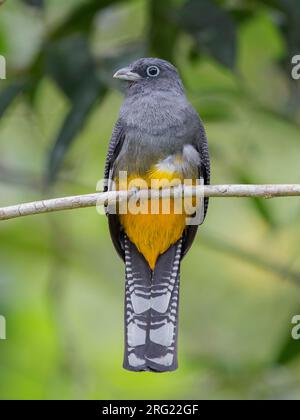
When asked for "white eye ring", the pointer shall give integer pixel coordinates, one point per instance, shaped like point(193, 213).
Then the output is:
point(153, 71)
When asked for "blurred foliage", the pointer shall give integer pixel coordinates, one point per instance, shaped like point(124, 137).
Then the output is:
point(60, 280)
point(212, 28)
point(64, 55)
point(35, 3)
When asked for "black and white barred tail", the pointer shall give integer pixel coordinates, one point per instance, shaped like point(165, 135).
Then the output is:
point(151, 310)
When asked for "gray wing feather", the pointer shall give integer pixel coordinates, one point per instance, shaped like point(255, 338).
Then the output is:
point(114, 148)
point(201, 145)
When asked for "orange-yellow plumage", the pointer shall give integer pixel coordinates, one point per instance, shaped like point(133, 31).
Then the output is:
point(152, 233)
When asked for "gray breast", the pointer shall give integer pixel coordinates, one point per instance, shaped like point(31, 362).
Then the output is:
point(156, 127)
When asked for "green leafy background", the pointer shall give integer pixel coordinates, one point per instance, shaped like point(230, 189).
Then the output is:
point(61, 283)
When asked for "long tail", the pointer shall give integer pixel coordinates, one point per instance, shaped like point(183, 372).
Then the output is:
point(151, 310)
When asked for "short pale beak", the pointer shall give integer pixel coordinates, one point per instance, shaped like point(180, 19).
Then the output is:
point(127, 74)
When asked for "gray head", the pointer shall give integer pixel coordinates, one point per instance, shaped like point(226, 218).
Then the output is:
point(150, 75)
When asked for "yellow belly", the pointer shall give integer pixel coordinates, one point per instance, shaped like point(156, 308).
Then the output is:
point(153, 234)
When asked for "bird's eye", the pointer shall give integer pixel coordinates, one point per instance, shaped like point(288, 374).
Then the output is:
point(153, 71)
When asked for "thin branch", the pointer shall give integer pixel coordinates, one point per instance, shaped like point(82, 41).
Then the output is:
point(104, 198)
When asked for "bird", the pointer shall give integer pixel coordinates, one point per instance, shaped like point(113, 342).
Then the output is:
point(158, 136)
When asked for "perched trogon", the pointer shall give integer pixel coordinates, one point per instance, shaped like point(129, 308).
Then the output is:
point(158, 135)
